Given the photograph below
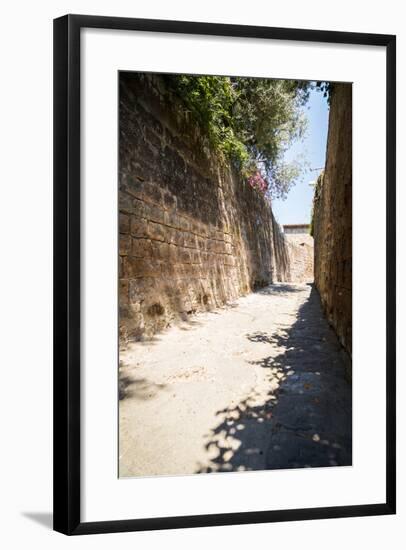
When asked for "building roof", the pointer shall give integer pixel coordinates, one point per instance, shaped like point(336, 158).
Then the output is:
point(296, 224)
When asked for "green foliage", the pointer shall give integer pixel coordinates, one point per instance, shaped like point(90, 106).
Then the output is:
point(251, 121)
point(211, 99)
point(326, 89)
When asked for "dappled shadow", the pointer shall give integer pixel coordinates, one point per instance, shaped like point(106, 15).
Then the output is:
point(260, 337)
point(190, 325)
point(280, 289)
point(148, 340)
point(136, 388)
point(186, 322)
point(303, 419)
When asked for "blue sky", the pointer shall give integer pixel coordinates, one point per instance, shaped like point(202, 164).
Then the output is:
point(296, 207)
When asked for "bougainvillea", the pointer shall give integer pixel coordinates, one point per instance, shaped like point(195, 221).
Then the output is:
point(251, 121)
point(258, 182)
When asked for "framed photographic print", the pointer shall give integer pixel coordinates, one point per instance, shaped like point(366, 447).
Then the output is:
point(224, 303)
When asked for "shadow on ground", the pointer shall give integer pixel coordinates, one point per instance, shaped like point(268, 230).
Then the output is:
point(305, 418)
point(278, 289)
point(42, 518)
point(136, 388)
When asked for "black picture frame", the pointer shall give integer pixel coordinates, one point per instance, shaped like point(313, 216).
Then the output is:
point(67, 296)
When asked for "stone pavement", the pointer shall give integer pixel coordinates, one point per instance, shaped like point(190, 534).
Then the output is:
point(260, 384)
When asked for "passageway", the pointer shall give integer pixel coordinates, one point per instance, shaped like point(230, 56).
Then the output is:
point(259, 384)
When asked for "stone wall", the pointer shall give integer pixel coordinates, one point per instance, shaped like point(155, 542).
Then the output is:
point(193, 234)
point(300, 253)
point(332, 224)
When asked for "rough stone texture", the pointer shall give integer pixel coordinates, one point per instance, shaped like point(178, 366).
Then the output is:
point(300, 257)
point(193, 235)
point(333, 219)
point(260, 385)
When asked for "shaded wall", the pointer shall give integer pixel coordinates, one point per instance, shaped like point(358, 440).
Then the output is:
point(332, 223)
point(193, 234)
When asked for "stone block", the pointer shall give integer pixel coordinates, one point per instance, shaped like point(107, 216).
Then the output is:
point(184, 256)
point(177, 237)
point(195, 258)
point(135, 187)
point(124, 245)
point(123, 291)
point(153, 192)
point(125, 203)
point(153, 138)
point(172, 219)
point(124, 223)
point(140, 267)
point(138, 208)
point(160, 250)
point(154, 213)
point(139, 227)
point(138, 289)
point(169, 201)
point(189, 240)
point(157, 232)
point(141, 248)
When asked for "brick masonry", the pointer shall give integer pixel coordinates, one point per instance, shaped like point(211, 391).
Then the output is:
point(333, 219)
point(193, 235)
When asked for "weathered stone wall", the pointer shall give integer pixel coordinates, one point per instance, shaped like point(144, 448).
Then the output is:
point(300, 253)
point(193, 235)
point(333, 218)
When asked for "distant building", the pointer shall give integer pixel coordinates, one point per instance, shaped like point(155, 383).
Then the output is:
point(296, 228)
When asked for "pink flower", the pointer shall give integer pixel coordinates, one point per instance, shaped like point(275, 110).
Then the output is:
point(258, 182)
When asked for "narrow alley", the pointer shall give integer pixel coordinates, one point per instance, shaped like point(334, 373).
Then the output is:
point(259, 384)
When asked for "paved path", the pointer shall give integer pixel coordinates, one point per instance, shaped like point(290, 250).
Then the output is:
point(258, 385)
